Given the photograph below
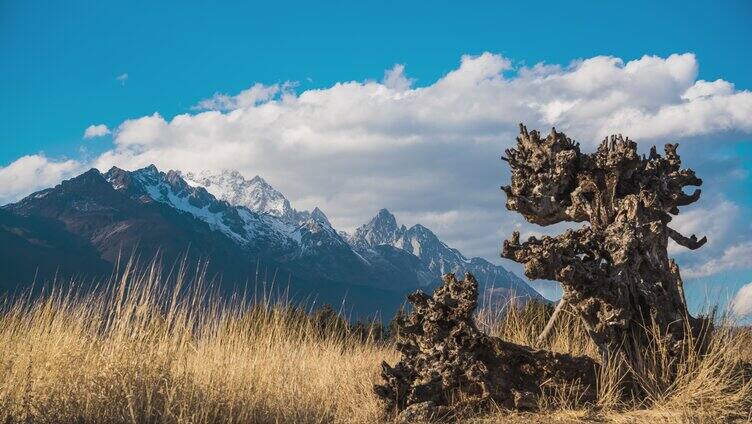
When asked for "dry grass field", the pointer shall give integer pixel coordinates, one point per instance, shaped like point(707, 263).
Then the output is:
point(134, 352)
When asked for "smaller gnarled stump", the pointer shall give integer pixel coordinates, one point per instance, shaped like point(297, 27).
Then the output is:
point(449, 366)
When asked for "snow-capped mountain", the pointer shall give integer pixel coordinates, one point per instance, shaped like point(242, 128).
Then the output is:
point(246, 226)
point(434, 254)
point(255, 194)
point(239, 223)
point(313, 228)
point(382, 229)
point(148, 184)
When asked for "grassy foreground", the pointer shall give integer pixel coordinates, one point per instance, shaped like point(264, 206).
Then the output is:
point(135, 352)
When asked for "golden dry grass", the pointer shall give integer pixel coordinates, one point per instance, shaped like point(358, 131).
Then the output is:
point(715, 387)
point(140, 353)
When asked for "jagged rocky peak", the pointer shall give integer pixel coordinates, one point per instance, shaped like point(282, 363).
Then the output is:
point(422, 233)
point(319, 216)
point(382, 229)
point(119, 178)
point(148, 185)
point(152, 183)
point(117, 175)
point(89, 182)
point(85, 192)
point(419, 241)
point(384, 219)
point(90, 177)
point(175, 179)
point(257, 180)
point(255, 194)
point(149, 169)
point(434, 254)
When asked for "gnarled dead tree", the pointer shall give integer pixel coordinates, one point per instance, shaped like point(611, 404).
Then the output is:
point(615, 270)
point(447, 360)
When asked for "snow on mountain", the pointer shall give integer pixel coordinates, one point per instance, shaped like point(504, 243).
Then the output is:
point(96, 217)
point(382, 229)
point(251, 210)
point(318, 216)
point(255, 194)
point(435, 255)
point(272, 222)
point(240, 224)
point(312, 230)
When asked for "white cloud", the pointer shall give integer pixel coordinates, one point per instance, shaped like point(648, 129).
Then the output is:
point(707, 89)
point(737, 256)
point(727, 228)
point(741, 305)
point(258, 93)
point(396, 79)
point(431, 153)
point(473, 104)
point(717, 220)
point(122, 78)
point(96, 131)
point(31, 173)
point(143, 131)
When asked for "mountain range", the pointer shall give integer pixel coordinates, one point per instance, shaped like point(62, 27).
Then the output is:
point(239, 227)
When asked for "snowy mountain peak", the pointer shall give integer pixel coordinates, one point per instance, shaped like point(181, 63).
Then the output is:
point(433, 253)
point(381, 229)
point(384, 219)
point(151, 169)
point(164, 209)
point(257, 180)
point(319, 216)
point(255, 194)
point(150, 185)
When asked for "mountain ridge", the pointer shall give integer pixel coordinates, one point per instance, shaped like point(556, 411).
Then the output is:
point(165, 212)
point(437, 256)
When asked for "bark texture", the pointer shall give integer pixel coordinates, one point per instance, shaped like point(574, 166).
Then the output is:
point(449, 366)
point(615, 270)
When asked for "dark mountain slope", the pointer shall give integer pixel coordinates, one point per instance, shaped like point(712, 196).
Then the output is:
point(93, 224)
point(84, 225)
point(33, 248)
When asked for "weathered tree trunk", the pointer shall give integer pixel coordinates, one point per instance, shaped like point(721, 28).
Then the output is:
point(615, 271)
point(449, 365)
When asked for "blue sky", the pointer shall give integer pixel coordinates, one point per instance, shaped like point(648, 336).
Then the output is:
point(59, 59)
point(64, 67)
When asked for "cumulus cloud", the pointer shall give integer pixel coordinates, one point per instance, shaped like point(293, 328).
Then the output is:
point(650, 98)
point(96, 131)
point(708, 89)
point(430, 153)
point(33, 172)
point(741, 305)
point(717, 219)
point(726, 225)
point(737, 256)
point(258, 93)
point(396, 79)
